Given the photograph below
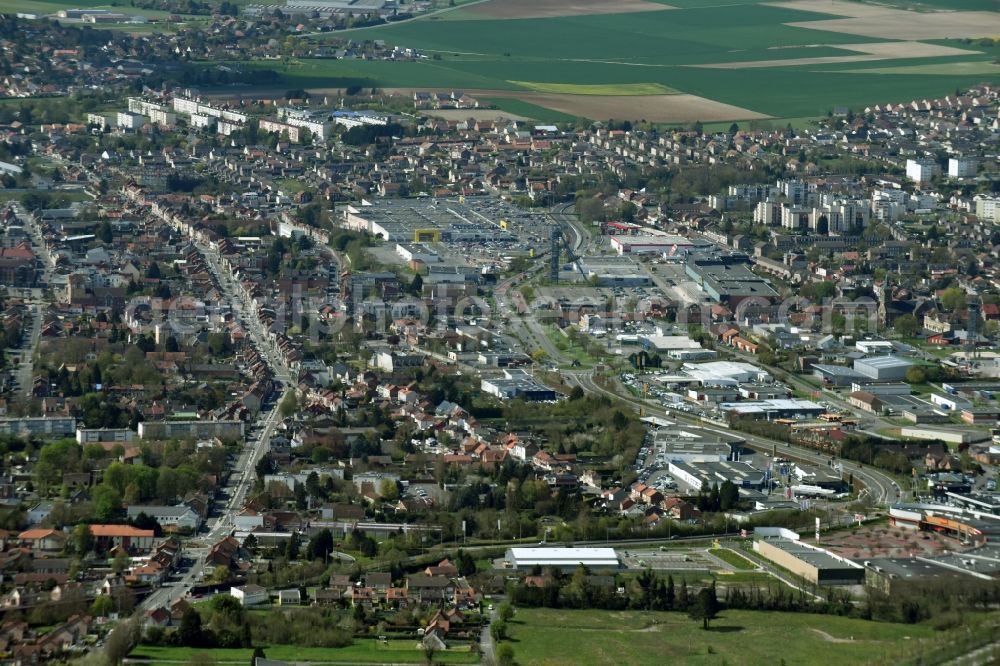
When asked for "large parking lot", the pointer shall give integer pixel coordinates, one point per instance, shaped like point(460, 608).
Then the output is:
point(665, 560)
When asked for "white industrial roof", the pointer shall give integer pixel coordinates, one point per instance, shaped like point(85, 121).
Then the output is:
point(563, 556)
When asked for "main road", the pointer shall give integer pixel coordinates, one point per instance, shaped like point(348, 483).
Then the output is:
point(244, 472)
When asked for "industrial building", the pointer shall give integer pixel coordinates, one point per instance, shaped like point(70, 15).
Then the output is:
point(566, 559)
point(836, 375)
point(818, 566)
point(883, 368)
point(703, 475)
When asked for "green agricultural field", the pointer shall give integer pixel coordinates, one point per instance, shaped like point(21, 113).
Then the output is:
point(607, 89)
point(527, 109)
point(546, 637)
point(560, 63)
point(362, 652)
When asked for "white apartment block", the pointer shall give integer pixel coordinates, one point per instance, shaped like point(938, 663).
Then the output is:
point(226, 127)
point(143, 106)
point(988, 208)
point(921, 171)
point(962, 167)
point(199, 121)
point(97, 119)
point(130, 121)
point(276, 127)
point(163, 117)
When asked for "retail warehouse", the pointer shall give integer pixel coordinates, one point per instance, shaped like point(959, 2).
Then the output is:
point(818, 566)
point(566, 559)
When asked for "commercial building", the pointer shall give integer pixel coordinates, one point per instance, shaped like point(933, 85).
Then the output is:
point(666, 244)
point(883, 368)
point(692, 444)
point(225, 430)
point(417, 252)
point(768, 410)
point(890, 575)
point(127, 537)
point(517, 384)
point(728, 279)
point(250, 595)
point(613, 271)
point(170, 518)
point(818, 566)
point(468, 220)
point(725, 373)
point(566, 559)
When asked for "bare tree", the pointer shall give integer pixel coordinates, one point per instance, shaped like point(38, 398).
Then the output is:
point(122, 640)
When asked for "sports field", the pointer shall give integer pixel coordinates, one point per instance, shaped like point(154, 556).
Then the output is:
point(737, 60)
point(546, 637)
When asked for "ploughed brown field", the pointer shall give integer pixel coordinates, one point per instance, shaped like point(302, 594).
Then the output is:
point(516, 9)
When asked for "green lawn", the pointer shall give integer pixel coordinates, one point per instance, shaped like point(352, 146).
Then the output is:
point(733, 558)
point(362, 652)
point(546, 637)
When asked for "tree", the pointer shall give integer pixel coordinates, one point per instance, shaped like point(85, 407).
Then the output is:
point(729, 495)
point(289, 405)
point(505, 655)
point(576, 393)
point(417, 285)
point(103, 606)
point(906, 325)
point(683, 598)
point(498, 630)
point(388, 489)
point(953, 299)
point(916, 375)
point(83, 539)
point(506, 611)
point(190, 633)
point(705, 606)
point(122, 640)
point(121, 561)
point(321, 545)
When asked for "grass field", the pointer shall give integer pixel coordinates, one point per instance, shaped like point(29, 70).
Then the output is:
point(733, 558)
point(362, 652)
point(648, 53)
point(545, 637)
